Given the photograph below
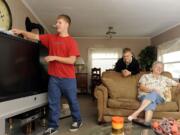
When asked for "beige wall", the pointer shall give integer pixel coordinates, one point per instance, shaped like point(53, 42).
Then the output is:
point(166, 36)
point(19, 13)
point(136, 44)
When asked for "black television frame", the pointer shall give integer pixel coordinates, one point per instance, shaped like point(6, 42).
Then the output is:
point(41, 78)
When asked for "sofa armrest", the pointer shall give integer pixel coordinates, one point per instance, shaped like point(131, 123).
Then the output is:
point(177, 98)
point(101, 94)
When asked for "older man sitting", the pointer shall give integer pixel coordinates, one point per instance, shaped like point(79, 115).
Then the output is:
point(152, 91)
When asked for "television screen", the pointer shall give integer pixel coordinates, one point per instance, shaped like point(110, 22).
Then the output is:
point(20, 70)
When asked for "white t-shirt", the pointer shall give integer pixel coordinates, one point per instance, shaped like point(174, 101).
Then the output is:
point(160, 83)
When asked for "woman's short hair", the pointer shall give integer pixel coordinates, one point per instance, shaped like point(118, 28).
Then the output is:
point(157, 62)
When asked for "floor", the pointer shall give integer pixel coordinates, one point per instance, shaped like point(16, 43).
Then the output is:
point(89, 116)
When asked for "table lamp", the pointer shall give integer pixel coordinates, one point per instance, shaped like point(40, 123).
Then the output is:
point(79, 64)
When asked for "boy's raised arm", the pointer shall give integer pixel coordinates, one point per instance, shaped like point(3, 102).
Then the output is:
point(26, 34)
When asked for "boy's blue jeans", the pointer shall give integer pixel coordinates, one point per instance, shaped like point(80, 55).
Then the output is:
point(57, 87)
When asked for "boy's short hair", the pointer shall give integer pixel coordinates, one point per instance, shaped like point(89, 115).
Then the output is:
point(65, 17)
point(125, 50)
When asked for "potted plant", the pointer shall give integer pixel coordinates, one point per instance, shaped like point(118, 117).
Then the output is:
point(147, 56)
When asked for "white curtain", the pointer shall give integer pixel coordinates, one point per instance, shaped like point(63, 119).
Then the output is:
point(102, 53)
point(169, 54)
point(167, 47)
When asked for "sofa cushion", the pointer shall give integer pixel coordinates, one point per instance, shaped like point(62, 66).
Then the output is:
point(134, 104)
point(167, 107)
point(123, 103)
point(119, 86)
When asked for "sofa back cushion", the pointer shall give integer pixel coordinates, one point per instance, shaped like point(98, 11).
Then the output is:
point(119, 86)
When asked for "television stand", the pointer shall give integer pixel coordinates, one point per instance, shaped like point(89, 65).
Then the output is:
point(17, 106)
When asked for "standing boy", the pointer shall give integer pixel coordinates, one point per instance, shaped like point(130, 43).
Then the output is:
point(63, 51)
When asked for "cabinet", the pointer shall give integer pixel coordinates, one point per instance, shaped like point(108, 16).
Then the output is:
point(19, 106)
point(82, 82)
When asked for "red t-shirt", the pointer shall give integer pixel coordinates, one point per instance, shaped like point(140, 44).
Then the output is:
point(63, 47)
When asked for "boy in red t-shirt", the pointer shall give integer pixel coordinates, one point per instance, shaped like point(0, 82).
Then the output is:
point(63, 51)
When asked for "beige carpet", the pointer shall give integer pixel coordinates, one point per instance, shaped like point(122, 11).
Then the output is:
point(89, 116)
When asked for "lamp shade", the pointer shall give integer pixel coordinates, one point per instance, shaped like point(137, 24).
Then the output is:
point(79, 61)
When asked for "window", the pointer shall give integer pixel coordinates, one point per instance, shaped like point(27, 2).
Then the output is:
point(105, 58)
point(169, 54)
point(172, 63)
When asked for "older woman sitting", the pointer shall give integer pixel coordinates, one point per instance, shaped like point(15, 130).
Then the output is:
point(151, 91)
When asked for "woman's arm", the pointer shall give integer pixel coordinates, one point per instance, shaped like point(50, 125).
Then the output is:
point(144, 88)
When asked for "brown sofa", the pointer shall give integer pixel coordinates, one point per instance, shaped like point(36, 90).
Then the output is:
point(118, 96)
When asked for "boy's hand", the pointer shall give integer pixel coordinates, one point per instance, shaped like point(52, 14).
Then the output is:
point(50, 58)
point(126, 73)
point(17, 31)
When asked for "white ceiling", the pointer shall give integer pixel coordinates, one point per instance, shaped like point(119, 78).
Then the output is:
point(91, 18)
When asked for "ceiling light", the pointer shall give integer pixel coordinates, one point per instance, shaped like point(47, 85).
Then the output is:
point(110, 32)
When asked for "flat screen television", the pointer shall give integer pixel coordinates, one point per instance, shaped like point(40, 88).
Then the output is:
point(21, 73)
